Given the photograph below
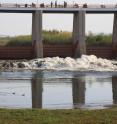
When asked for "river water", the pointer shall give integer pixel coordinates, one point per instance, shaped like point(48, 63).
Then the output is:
point(58, 89)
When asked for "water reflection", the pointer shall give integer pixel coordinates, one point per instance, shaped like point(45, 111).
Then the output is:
point(45, 90)
point(78, 85)
point(114, 89)
point(78, 91)
point(37, 89)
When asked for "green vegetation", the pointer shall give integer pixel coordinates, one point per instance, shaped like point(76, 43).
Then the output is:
point(37, 116)
point(99, 39)
point(20, 41)
point(56, 37)
point(4, 41)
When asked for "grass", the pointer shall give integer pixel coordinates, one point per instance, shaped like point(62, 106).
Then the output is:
point(4, 41)
point(99, 39)
point(37, 116)
point(56, 37)
point(20, 41)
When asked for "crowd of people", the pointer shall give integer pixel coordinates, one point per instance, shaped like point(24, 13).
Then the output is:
point(55, 4)
point(51, 5)
point(65, 5)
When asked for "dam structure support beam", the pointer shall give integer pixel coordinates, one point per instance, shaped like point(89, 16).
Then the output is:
point(79, 33)
point(114, 37)
point(37, 33)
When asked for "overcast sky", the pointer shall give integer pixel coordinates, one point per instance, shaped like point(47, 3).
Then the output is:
point(20, 24)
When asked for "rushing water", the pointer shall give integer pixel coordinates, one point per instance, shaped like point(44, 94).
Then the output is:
point(85, 63)
point(58, 89)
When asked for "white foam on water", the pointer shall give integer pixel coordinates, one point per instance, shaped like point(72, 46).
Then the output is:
point(85, 63)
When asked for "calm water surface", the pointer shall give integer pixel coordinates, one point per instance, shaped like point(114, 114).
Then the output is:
point(58, 90)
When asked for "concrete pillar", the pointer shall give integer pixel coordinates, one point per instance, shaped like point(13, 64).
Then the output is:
point(37, 33)
point(79, 34)
point(114, 89)
point(37, 89)
point(33, 29)
point(78, 91)
point(114, 37)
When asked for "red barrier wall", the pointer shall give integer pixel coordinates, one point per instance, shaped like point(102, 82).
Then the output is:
point(16, 52)
point(101, 51)
point(53, 50)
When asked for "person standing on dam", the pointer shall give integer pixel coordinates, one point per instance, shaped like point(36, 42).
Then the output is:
point(51, 4)
point(55, 4)
point(65, 4)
